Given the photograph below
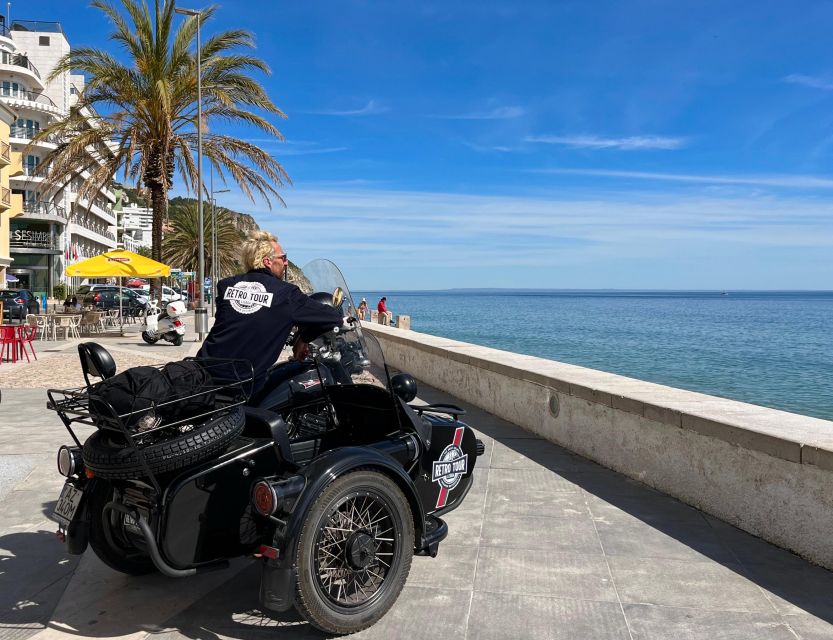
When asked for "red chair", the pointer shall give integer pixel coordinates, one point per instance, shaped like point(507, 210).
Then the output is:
point(10, 342)
point(28, 334)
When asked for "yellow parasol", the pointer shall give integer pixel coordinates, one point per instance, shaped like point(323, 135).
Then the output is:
point(119, 263)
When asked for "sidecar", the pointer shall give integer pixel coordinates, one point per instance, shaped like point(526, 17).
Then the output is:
point(334, 514)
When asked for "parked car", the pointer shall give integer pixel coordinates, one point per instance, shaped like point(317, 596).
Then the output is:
point(132, 302)
point(168, 294)
point(84, 291)
point(17, 303)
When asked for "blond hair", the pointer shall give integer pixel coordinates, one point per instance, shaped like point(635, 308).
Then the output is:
point(257, 247)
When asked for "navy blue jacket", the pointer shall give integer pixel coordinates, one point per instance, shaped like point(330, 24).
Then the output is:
point(255, 313)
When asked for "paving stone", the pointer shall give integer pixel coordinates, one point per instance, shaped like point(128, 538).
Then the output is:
point(607, 484)
point(423, 614)
point(574, 534)
point(532, 492)
point(29, 509)
point(463, 527)
point(653, 509)
point(231, 611)
point(678, 540)
point(677, 583)
point(495, 616)
point(795, 587)
point(536, 572)
point(524, 453)
point(667, 623)
point(453, 568)
point(809, 627)
point(14, 469)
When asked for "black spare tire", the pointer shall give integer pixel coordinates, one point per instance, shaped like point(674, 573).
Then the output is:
point(107, 455)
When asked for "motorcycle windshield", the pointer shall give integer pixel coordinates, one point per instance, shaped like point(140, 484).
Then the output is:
point(348, 355)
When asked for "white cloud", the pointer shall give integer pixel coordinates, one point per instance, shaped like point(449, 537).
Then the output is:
point(775, 180)
point(294, 147)
point(371, 108)
point(628, 143)
point(498, 113)
point(595, 238)
point(815, 82)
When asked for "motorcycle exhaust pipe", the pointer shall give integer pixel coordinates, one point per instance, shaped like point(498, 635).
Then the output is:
point(404, 449)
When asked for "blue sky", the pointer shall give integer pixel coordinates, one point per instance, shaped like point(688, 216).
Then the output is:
point(675, 145)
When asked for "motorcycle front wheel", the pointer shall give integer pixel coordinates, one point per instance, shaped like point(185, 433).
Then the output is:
point(354, 553)
point(149, 339)
point(109, 538)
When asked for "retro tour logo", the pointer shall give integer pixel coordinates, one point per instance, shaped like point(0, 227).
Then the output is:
point(248, 297)
point(451, 466)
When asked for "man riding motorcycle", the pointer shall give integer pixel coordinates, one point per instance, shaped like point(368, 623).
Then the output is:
point(257, 310)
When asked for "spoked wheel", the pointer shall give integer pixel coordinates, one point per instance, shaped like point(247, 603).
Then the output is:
point(354, 553)
point(110, 537)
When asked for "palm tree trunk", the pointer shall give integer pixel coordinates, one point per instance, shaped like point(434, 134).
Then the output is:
point(159, 203)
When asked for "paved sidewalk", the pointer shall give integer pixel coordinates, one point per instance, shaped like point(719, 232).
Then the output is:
point(547, 545)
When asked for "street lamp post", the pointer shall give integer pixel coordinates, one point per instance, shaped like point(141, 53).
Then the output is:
point(215, 267)
point(201, 312)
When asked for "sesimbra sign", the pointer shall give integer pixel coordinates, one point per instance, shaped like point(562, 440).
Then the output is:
point(27, 236)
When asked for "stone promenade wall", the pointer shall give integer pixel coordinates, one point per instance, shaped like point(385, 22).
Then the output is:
point(768, 472)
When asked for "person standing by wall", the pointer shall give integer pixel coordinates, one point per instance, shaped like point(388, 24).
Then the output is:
point(362, 310)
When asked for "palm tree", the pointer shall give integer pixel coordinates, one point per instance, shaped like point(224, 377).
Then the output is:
point(145, 111)
point(182, 246)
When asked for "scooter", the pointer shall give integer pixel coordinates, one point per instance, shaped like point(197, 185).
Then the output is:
point(165, 325)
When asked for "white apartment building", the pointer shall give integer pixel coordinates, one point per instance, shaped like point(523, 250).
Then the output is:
point(135, 225)
point(62, 227)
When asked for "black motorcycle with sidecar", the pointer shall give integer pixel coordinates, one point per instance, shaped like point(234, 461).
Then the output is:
point(332, 495)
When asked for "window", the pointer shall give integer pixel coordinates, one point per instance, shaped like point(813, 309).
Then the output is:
point(7, 86)
point(43, 41)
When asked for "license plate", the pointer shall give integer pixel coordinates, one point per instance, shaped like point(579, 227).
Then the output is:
point(67, 504)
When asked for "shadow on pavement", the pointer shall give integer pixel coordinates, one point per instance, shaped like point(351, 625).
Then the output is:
point(632, 519)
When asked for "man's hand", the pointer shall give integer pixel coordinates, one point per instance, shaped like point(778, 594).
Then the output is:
point(300, 350)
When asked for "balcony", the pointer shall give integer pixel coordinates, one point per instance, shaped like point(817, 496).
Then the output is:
point(5, 153)
point(18, 63)
point(47, 211)
point(98, 207)
point(30, 100)
point(5, 198)
point(25, 133)
point(95, 231)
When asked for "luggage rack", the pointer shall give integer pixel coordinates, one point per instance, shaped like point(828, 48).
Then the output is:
point(138, 416)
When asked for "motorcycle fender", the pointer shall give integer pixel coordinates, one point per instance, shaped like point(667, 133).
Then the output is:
point(278, 575)
point(446, 467)
point(78, 531)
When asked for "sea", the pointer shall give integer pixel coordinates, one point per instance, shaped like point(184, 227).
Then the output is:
point(770, 348)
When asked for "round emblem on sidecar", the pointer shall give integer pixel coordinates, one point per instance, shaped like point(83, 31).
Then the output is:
point(452, 465)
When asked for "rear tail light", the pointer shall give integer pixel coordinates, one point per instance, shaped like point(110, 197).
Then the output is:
point(270, 496)
point(70, 461)
point(19, 300)
point(177, 323)
point(97, 297)
point(264, 498)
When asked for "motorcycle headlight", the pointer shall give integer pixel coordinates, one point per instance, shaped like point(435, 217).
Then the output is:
point(70, 461)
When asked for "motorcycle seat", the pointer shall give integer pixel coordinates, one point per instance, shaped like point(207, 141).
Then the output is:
point(96, 361)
